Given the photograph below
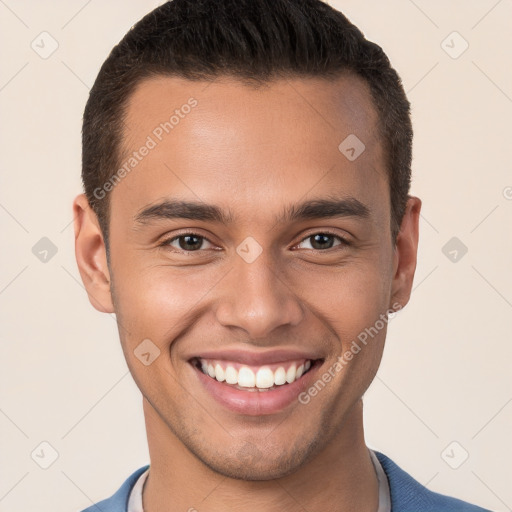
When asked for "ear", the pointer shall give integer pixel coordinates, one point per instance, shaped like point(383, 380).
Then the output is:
point(406, 250)
point(91, 255)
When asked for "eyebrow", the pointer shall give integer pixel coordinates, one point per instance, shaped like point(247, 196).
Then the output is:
point(312, 209)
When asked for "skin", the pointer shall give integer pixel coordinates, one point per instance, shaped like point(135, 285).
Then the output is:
point(252, 151)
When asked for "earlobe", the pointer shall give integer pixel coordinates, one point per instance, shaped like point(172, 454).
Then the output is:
point(91, 255)
point(405, 256)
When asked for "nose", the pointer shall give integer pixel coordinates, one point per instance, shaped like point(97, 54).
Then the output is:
point(256, 298)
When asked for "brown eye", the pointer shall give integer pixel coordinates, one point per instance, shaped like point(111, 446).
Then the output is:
point(187, 242)
point(323, 240)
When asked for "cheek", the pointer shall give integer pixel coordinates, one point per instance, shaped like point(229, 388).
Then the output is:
point(349, 300)
point(158, 302)
point(351, 303)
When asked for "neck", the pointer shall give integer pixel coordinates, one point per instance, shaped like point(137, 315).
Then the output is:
point(343, 472)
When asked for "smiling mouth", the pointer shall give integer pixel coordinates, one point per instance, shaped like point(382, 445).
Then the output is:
point(255, 378)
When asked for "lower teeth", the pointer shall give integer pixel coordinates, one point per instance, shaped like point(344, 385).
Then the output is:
point(241, 388)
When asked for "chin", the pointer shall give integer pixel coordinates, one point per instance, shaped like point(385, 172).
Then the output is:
point(251, 463)
point(259, 471)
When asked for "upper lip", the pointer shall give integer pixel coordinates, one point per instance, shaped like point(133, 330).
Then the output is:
point(258, 358)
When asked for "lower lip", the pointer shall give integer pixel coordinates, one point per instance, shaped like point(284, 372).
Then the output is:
point(256, 403)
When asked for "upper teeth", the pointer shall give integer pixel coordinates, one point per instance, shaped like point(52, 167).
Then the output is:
point(262, 378)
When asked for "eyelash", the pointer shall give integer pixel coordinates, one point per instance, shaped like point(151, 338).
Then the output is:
point(166, 243)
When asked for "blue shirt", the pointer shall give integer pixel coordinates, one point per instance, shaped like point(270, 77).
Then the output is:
point(407, 495)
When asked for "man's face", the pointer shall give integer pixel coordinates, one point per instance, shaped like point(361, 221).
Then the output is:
point(262, 288)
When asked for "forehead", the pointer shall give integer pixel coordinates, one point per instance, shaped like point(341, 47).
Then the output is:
point(339, 104)
point(234, 144)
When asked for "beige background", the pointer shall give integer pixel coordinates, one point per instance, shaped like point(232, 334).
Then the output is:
point(445, 375)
